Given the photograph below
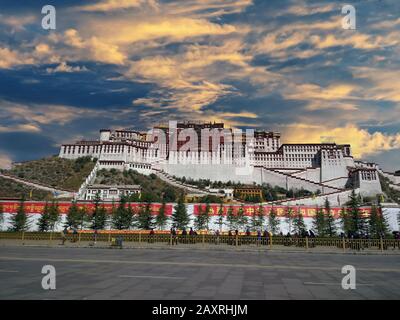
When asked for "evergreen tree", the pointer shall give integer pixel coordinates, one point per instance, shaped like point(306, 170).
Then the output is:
point(289, 215)
point(298, 223)
point(330, 223)
point(84, 218)
point(254, 219)
point(273, 221)
point(180, 217)
point(44, 220)
point(129, 217)
point(231, 218)
point(1, 216)
point(241, 218)
point(162, 218)
point(73, 216)
point(319, 222)
point(145, 218)
point(99, 214)
point(378, 225)
point(20, 221)
point(119, 215)
point(345, 221)
point(353, 210)
point(220, 220)
point(207, 215)
point(54, 215)
point(199, 222)
point(260, 216)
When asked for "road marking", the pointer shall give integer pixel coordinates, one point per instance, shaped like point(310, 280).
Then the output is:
point(197, 264)
point(335, 284)
point(152, 277)
point(8, 271)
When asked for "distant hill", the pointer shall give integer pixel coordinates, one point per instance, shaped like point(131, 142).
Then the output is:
point(12, 189)
point(55, 172)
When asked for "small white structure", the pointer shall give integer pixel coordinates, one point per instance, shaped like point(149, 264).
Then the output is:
point(226, 192)
point(111, 192)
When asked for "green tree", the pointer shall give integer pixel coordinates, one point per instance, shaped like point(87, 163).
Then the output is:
point(99, 214)
point(353, 210)
point(289, 215)
point(44, 220)
point(162, 218)
point(207, 215)
point(180, 217)
point(199, 222)
point(220, 220)
point(330, 223)
point(231, 218)
point(260, 216)
point(73, 216)
point(1, 216)
point(119, 216)
point(298, 223)
point(241, 218)
point(319, 222)
point(54, 215)
point(273, 221)
point(145, 218)
point(20, 220)
point(254, 219)
point(378, 225)
point(345, 220)
point(84, 218)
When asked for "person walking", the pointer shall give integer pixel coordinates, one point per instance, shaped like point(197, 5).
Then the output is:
point(64, 235)
point(258, 237)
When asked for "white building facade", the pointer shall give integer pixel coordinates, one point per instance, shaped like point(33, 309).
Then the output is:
point(211, 151)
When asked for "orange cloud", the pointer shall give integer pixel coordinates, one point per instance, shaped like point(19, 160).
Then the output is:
point(362, 142)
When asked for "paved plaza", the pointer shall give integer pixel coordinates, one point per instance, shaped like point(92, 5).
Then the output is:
point(97, 273)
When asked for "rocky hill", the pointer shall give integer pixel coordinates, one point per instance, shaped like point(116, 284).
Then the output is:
point(55, 172)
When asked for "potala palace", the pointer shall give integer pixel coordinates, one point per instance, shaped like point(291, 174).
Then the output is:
point(212, 151)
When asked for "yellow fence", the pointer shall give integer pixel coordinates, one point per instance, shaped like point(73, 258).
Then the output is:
point(203, 239)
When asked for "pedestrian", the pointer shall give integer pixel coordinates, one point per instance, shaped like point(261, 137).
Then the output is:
point(74, 234)
point(258, 237)
point(151, 235)
point(95, 236)
point(266, 236)
point(184, 235)
point(217, 233)
point(64, 235)
point(230, 235)
point(174, 237)
point(191, 234)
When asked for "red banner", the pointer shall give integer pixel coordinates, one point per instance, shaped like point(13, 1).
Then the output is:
point(306, 211)
point(34, 207)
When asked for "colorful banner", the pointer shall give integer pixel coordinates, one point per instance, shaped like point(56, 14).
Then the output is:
point(35, 207)
point(306, 211)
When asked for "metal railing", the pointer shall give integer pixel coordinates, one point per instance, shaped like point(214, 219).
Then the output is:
point(344, 244)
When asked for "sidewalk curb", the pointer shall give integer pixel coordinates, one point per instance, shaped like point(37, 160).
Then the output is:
point(182, 248)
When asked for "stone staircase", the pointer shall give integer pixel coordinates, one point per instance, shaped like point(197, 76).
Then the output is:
point(178, 184)
point(318, 184)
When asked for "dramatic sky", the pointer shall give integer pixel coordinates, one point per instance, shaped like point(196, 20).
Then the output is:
point(283, 65)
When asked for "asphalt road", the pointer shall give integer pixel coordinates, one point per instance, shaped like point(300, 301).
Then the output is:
point(90, 273)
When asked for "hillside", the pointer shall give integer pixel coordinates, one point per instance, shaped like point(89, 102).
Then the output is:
point(391, 194)
point(152, 186)
point(12, 189)
point(55, 172)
